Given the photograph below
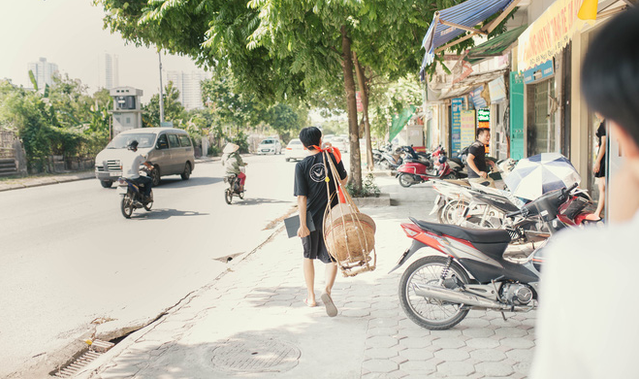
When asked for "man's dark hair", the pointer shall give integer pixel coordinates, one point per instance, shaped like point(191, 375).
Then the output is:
point(310, 136)
point(481, 131)
point(610, 72)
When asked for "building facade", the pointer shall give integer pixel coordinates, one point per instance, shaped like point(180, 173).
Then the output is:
point(43, 72)
point(190, 87)
point(108, 71)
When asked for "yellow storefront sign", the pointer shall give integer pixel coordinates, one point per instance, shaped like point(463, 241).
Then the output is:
point(550, 33)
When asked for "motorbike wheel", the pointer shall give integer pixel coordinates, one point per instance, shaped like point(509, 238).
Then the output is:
point(453, 211)
point(451, 175)
point(126, 206)
point(426, 312)
point(384, 165)
point(241, 195)
point(228, 196)
point(149, 203)
point(406, 180)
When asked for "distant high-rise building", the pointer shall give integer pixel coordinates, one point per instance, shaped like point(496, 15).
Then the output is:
point(43, 72)
point(190, 87)
point(108, 71)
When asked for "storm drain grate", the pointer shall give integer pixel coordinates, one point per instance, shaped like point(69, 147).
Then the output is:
point(70, 369)
point(253, 354)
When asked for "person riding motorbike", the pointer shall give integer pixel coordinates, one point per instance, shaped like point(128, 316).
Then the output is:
point(131, 162)
point(232, 162)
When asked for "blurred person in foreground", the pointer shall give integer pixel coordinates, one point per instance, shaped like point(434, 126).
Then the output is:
point(587, 321)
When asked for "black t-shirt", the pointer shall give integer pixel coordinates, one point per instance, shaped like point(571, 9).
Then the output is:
point(478, 150)
point(601, 132)
point(310, 182)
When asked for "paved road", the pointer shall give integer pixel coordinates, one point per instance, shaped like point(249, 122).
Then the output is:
point(68, 257)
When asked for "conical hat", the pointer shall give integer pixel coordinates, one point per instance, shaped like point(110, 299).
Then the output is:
point(230, 148)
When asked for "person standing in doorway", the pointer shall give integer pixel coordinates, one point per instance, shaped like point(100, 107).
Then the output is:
point(599, 167)
point(587, 324)
point(311, 176)
point(477, 163)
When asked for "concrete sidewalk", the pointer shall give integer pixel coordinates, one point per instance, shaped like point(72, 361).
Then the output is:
point(252, 322)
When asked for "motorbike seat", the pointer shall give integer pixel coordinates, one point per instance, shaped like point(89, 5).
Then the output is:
point(488, 236)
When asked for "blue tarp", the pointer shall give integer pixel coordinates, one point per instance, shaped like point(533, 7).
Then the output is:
point(469, 13)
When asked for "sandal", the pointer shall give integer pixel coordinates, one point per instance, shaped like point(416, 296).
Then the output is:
point(331, 309)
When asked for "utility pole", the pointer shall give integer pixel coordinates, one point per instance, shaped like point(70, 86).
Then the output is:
point(161, 90)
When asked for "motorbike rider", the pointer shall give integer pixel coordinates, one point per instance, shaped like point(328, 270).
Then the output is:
point(131, 162)
point(477, 163)
point(232, 162)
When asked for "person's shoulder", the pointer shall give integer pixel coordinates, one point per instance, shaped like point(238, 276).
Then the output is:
point(476, 144)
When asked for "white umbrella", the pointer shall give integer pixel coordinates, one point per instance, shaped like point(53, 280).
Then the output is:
point(541, 173)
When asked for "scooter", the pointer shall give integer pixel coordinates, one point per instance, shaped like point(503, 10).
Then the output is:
point(437, 292)
point(132, 197)
point(415, 172)
point(233, 188)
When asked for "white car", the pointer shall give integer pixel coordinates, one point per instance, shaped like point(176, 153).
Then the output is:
point(295, 150)
point(340, 143)
point(270, 146)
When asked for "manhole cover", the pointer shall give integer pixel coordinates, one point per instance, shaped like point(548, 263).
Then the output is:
point(255, 354)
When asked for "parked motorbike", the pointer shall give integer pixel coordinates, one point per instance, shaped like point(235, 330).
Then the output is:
point(233, 188)
point(389, 159)
point(132, 197)
point(414, 172)
point(437, 292)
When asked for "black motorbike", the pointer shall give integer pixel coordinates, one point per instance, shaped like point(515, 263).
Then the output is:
point(233, 189)
point(133, 197)
point(436, 291)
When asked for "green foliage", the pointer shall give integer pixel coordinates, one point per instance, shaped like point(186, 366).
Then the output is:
point(241, 140)
point(68, 122)
point(369, 188)
point(173, 109)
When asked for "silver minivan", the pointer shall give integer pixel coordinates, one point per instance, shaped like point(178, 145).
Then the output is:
point(169, 150)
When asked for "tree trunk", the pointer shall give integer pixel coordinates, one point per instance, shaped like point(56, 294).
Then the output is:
point(349, 87)
point(363, 89)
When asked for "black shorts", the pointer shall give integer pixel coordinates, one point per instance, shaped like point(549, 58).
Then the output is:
point(602, 169)
point(315, 248)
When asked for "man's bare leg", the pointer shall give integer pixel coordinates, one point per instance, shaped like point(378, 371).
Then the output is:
point(309, 278)
point(331, 274)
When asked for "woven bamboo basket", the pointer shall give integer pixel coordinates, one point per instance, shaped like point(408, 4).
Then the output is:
point(349, 234)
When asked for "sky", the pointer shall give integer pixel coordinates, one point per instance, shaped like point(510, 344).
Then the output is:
point(70, 34)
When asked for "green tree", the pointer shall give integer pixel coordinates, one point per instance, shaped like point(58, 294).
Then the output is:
point(173, 110)
point(286, 120)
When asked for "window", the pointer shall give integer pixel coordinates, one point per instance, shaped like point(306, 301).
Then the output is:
point(184, 140)
point(173, 141)
point(162, 142)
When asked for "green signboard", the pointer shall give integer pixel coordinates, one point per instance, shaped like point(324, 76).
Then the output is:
point(483, 114)
point(516, 116)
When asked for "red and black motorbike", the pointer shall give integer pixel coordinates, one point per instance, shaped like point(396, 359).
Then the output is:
point(415, 171)
point(437, 291)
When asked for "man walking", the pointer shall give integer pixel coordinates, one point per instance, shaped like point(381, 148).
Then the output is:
point(311, 177)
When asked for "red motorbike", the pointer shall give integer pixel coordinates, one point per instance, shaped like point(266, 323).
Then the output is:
point(414, 171)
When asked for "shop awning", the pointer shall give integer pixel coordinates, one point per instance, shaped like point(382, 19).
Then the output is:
point(552, 31)
point(495, 46)
point(451, 22)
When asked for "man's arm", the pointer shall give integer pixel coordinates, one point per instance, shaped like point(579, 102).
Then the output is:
point(471, 164)
point(301, 206)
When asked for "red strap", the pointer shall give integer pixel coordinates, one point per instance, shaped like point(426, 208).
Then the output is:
point(333, 150)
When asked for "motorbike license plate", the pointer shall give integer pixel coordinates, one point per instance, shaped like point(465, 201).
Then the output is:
point(122, 190)
point(436, 206)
